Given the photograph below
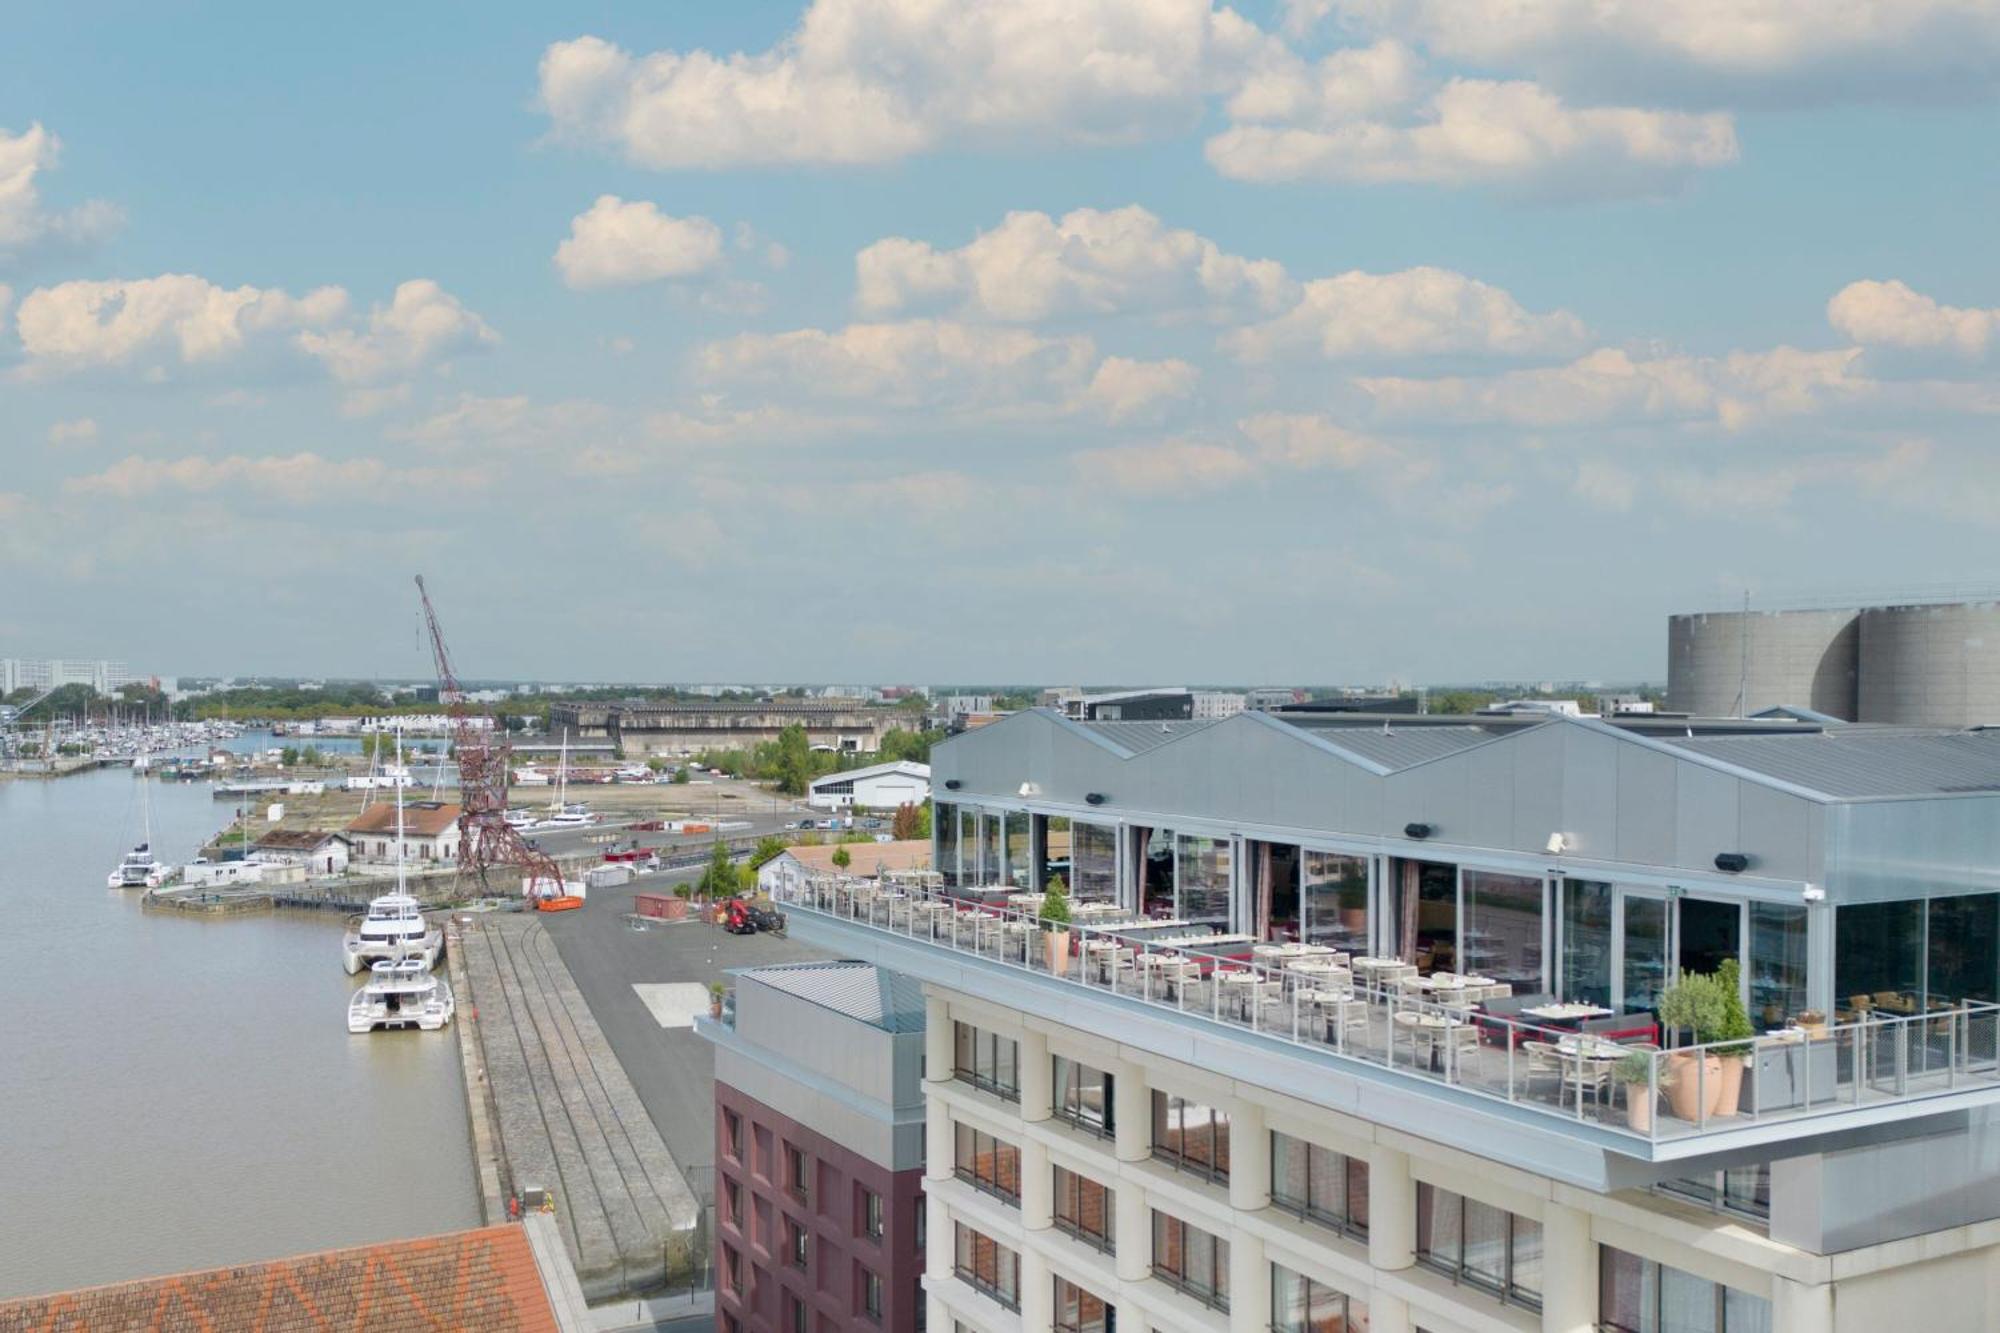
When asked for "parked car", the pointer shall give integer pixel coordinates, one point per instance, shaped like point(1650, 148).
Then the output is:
point(807, 823)
point(871, 823)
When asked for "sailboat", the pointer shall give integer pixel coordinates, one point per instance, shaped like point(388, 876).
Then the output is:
point(564, 813)
point(140, 869)
point(401, 990)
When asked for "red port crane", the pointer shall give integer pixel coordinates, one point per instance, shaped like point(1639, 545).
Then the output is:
point(486, 839)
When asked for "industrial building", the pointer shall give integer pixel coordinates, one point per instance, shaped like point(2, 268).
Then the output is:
point(819, 1150)
point(1921, 664)
point(643, 729)
point(1160, 1122)
point(877, 787)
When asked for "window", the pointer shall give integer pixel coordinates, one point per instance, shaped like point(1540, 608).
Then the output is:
point(1083, 1096)
point(1319, 1184)
point(795, 1172)
point(1334, 900)
point(990, 1165)
point(796, 1244)
point(732, 1135)
point(1503, 928)
point(988, 1266)
point(1080, 1311)
point(871, 1295)
point(732, 1270)
point(1093, 863)
point(1744, 1191)
point(871, 1214)
point(1083, 1209)
point(732, 1203)
point(1480, 1245)
point(944, 833)
point(1586, 941)
point(1777, 964)
point(988, 1062)
point(1191, 1136)
point(1636, 1295)
point(1300, 1305)
point(1191, 1261)
point(1204, 869)
point(796, 1314)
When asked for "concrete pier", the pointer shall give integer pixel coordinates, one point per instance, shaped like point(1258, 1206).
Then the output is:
point(569, 1120)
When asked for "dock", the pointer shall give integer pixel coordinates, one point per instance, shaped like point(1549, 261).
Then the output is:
point(568, 1119)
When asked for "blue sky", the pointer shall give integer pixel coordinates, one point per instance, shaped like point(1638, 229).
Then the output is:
point(1058, 340)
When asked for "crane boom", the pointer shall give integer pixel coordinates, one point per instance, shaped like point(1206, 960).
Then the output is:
point(486, 839)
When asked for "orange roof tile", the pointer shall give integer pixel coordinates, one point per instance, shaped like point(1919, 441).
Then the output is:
point(421, 819)
point(482, 1281)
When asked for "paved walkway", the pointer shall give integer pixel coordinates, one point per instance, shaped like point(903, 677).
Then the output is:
point(569, 1119)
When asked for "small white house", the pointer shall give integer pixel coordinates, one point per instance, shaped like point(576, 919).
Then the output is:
point(320, 853)
point(877, 787)
point(430, 833)
point(795, 869)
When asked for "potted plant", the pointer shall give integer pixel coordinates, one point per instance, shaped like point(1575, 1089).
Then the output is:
point(1055, 925)
point(1635, 1072)
point(1693, 1004)
point(716, 990)
point(1811, 1022)
point(1735, 1028)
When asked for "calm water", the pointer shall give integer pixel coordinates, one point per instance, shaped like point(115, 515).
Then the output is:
point(182, 1093)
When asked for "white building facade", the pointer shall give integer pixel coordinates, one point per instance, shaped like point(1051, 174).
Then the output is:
point(877, 787)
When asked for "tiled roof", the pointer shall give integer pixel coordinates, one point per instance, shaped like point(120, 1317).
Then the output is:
point(421, 819)
point(298, 839)
point(482, 1281)
point(863, 857)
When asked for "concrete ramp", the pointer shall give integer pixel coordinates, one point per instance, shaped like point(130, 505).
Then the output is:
point(569, 1119)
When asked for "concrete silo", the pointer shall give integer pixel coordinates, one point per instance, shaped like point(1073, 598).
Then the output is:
point(1730, 663)
point(1931, 666)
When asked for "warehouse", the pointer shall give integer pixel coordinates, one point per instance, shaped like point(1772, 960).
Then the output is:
point(878, 787)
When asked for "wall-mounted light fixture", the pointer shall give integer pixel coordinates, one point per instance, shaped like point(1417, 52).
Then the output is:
point(1558, 843)
point(1417, 831)
point(1030, 789)
point(1813, 893)
point(1732, 863)
point(1095, 798)
point(952, 784)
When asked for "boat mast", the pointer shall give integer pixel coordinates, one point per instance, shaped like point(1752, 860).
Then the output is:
point(396, 780)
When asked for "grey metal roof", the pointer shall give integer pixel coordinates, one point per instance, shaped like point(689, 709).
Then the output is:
point(1401, 747)
point(862, 991)
point(1859, 763)
point(1139, 737)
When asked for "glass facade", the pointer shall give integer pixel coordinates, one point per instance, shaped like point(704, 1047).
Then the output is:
point(988, 1164)
point(944, 850)
point(1191, 1136)
point(1777, 967)
point(1058, 851)
point(1480, 1245)
point(1645, 961)
point(1080, 1311)
point(1300, 1305)
point(1016, 863)
point(988, 1266)
point(1319, 1184)
point(1084, 1209)
point(1093, 863)
point(1878, 961)
point(1333, 900)
point(1586, 942)
point(1205, 879)
point(1639, 1296)
point(1501, 929)
point(988, 1062)
point(1082, 1095)
point(1191, 1260)
point(988, 841)
point(1962, 952)
point(1156, 872)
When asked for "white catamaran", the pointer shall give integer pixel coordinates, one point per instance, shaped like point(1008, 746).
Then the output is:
point(141, 869)
point(401, 991)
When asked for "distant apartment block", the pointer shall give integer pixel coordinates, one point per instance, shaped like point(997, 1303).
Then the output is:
point(21, 673)
point(819, 1121)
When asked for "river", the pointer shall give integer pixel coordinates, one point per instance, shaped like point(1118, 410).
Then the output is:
point(180, 1093)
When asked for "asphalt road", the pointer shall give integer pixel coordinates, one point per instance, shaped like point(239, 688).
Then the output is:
point(672, 1068)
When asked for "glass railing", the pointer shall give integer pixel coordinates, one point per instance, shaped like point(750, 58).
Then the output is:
point(1386, 1018)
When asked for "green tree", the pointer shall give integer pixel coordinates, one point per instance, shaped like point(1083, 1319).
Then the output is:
point(793, 763)
point(842, 858)
point(718, 878)
point(911, 745)
point(924, 822)
point(681, 775)
point(769, 848)
point(288, 757)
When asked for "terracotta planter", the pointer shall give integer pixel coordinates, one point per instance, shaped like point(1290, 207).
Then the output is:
point(1056, 944)
point(1730, 1095)
point(715, 1008)
point(1696, 1087)
point(1639, 1108)
point(1353, 918)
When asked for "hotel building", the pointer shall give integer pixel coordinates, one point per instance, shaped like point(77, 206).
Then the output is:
point(1157, 1123)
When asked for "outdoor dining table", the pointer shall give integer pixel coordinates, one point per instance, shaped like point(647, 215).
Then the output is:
point(1171, 970)
point(1240, 986)
point(1567, 1012)
point(1333, 1006)
point(1312, 970)
point(1289, 950)
point(1102, 956)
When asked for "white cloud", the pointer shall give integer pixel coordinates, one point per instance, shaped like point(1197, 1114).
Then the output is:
point(299, 478)
point(1890, 314)
point(619, 242)
point(1417, 312)
point(1127, 390)
point(82, 430)
point(1272, 443)
point(514, 422)
point(1514, 135)
point(1308, 442)
point(1175, 467)
point(1704, 50)
point(24, 223)
point(1611, 386)
point(422, 325)
point(1089, 262)
point(862, 81)
point(176, 318)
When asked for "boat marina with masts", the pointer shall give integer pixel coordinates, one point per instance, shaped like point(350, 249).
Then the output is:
point(401, 948)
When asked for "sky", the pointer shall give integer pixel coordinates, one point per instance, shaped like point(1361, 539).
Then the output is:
point(1048, 341)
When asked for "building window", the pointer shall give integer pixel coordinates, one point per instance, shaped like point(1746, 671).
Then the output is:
point(1480, 1245)
point(1319, 1184)
point(871, 1214)
point(871, 1295)
point(1744, 1191)
point(1192, 1136)
point(1636, 1295)
point(796, 1173)
point(732, 1203)
point(732, 1270)
point(987, 1265)
point(1081, 1311)
point(1300, 1305)
point(796, 1244)
point(1082, 1096)
point(732, 1135)
point(1191, 1261)
point(990, 1165)
point(1084, 1209)
point(799, 1320)
point(988, 1062)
